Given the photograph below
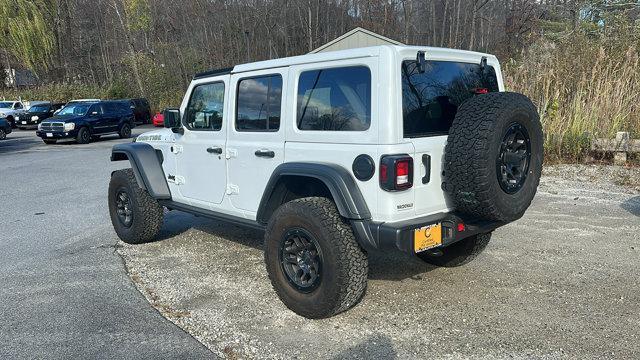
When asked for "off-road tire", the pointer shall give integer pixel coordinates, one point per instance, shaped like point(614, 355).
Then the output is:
point(343, 279)
point(459, 253)
point(50, 142)
point(3, 134)
point(84, 135)
point(125, 131)
point(473, 151)
point(147, 216)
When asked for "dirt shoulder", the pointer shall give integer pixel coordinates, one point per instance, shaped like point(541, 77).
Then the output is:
point(559, 283)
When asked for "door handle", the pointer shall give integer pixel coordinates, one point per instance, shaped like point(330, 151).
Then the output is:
point(265, 153)
point(215, 150)
point(426, 161)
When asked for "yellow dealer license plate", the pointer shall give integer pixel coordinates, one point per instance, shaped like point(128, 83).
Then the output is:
point(427, 237)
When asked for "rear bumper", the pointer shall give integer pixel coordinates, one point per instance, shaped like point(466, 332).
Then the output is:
point(398, 236)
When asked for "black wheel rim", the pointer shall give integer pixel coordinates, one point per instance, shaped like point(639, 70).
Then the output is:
point(124, 208)
point(301, 259)
point(126, 131)
point(2, 134)
point(85, 135)
point(514, 158)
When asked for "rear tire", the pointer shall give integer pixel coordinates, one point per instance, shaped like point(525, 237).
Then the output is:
point(125, 131)
point(459, 253)
point(84, 136)
point(50, 142)
point(320, 248)
point(136, 216)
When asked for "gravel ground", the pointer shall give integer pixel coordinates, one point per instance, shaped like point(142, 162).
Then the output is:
point(562, 282)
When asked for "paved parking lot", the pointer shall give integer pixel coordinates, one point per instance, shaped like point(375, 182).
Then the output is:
point(64, 291)
point(560, 283)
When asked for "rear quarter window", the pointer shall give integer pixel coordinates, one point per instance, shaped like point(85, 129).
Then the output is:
point(335, 99)
point(431, 99)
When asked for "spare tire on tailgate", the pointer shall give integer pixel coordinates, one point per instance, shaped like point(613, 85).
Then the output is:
point(493, 157)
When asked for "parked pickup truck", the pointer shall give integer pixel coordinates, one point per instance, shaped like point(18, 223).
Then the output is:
point(10, 109)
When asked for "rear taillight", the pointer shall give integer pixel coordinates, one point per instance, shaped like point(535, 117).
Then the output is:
point(396, 172)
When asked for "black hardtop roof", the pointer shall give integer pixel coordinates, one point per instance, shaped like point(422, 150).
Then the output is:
point(212, 73)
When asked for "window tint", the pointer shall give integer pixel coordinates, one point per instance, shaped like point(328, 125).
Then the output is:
point(430, 99)
point(97, 108)
point(205, 108)
point(112, 108)
point(259, 104)
point(337, 99)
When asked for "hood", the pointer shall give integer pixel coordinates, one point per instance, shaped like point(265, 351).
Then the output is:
point(65, 118)
point(39, 113)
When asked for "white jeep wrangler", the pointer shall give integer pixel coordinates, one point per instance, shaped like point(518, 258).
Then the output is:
point(338, 155)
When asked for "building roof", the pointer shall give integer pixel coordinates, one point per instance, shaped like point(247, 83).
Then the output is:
point(357, 37)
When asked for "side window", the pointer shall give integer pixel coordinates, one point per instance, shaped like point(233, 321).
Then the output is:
point(96, 109)
point(18, 106)
point(111, 108)
point(259, 102)
point(205, 108)
point(336, 99)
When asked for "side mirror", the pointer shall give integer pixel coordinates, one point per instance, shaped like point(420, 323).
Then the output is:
point(172, 120)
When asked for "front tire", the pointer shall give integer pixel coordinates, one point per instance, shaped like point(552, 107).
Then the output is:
point(84, 136)
point(136, 216)
point(459, 253)
point(314, 262)
point(3, 134)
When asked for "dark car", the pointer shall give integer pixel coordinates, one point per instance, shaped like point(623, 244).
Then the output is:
point(141, 110)
point(88, 120)
point(5, 128)
point(36, 114)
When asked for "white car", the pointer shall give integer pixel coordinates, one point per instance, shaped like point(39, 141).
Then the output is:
point(10, 110)
point(337, 156)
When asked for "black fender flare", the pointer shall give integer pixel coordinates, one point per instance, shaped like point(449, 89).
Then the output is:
point(344, 190)
point(146, 167)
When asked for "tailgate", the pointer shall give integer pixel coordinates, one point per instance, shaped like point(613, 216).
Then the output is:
point(427, 158)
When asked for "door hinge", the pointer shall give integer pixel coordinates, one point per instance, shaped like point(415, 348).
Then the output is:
point(175, 179)
point(233, 189)
point(231, 153)
point(176, 149)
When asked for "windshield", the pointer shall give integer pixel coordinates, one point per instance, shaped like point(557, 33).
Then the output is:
point(39, 108)
point(5, 104)
point(75, 109)
point(430, 99)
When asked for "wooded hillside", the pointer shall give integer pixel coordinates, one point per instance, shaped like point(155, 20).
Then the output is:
point(577, 59)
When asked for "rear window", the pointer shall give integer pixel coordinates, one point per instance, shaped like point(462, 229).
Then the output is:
point(431, 99)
